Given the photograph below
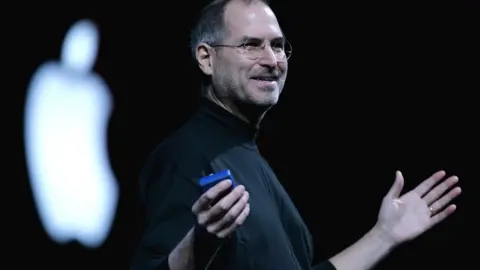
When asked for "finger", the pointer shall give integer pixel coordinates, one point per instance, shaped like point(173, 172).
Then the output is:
point(224, 205)
point(445, 200)
point(439, 190)
point(428, 184)
point(230, 216)
point(442, 215)
point(210, 195)
point(397, 186)
point(238, 222)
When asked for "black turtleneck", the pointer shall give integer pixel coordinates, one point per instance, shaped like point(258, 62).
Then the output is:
point(273, 237)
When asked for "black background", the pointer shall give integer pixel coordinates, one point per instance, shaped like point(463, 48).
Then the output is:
point(373, 88)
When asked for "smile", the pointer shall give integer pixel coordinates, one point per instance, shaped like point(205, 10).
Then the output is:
point(266, 79)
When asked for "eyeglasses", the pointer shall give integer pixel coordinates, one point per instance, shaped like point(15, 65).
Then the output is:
point(254, 49)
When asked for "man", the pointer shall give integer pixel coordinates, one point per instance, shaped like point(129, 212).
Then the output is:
point(240, 48)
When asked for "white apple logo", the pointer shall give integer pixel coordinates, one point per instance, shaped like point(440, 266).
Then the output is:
point(66, 120)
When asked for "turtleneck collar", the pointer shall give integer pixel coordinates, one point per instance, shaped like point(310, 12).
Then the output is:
point(234, 127)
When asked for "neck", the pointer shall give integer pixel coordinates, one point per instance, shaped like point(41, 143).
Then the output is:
point(249, 113)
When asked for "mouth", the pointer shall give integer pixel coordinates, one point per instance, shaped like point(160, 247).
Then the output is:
point(265, 78)
point(266, 83)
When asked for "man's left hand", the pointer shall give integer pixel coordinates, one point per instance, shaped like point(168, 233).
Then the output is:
point(406, 217)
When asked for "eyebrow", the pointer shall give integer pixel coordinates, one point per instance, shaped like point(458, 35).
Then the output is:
point(250, 38)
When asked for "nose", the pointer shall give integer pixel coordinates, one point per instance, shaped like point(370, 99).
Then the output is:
point(268, 57)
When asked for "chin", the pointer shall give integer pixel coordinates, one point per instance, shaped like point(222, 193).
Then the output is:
point(265, 99)
point(264, 95)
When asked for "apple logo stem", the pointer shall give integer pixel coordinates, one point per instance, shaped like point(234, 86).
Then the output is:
point(66, 120)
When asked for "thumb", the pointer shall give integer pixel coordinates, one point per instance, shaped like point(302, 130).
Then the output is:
point(397, 186)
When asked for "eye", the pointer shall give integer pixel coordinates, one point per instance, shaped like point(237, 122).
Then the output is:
point(277, 46)
point(251, 45)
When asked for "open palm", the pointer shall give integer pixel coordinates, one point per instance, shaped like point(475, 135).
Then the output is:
point(408, 216)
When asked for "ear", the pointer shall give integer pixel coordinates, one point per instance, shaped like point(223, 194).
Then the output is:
point(204, 58)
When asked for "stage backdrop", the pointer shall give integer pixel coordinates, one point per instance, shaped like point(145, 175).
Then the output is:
point(372, 88)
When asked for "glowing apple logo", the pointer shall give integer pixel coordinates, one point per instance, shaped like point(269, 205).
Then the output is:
point(66, 120)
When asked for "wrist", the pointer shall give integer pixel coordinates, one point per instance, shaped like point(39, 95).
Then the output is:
point(181, 257)
point(383, 236)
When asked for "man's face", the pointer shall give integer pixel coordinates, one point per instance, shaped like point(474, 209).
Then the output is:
point(238, 77)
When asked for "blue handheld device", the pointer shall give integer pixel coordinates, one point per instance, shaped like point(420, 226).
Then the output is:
point(209, 181)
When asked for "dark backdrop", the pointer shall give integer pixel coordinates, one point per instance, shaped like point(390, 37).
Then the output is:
point(372, 88)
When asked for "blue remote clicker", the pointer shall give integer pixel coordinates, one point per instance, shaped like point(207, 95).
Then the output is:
point(209, 181)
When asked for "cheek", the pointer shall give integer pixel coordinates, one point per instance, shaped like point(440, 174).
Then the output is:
point(284, 68)
point(224, 68)
point(221, 72)
point(233, 71)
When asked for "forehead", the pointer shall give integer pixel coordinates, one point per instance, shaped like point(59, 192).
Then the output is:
point(253, 20)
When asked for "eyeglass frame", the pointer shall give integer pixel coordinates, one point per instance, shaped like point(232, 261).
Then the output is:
point(261, 48)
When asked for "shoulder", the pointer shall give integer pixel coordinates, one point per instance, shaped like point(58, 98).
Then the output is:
point(174, 166)
point(185, 149)
point(183, 154)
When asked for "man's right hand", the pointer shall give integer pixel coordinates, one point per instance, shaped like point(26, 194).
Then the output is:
point(222, 218)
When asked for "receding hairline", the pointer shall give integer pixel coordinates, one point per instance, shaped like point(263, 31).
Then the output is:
point(227, 24)
point(206, 16)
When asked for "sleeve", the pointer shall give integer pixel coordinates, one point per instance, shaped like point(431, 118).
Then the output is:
point(292, 221)
point(167, 197)
point(327, 265)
